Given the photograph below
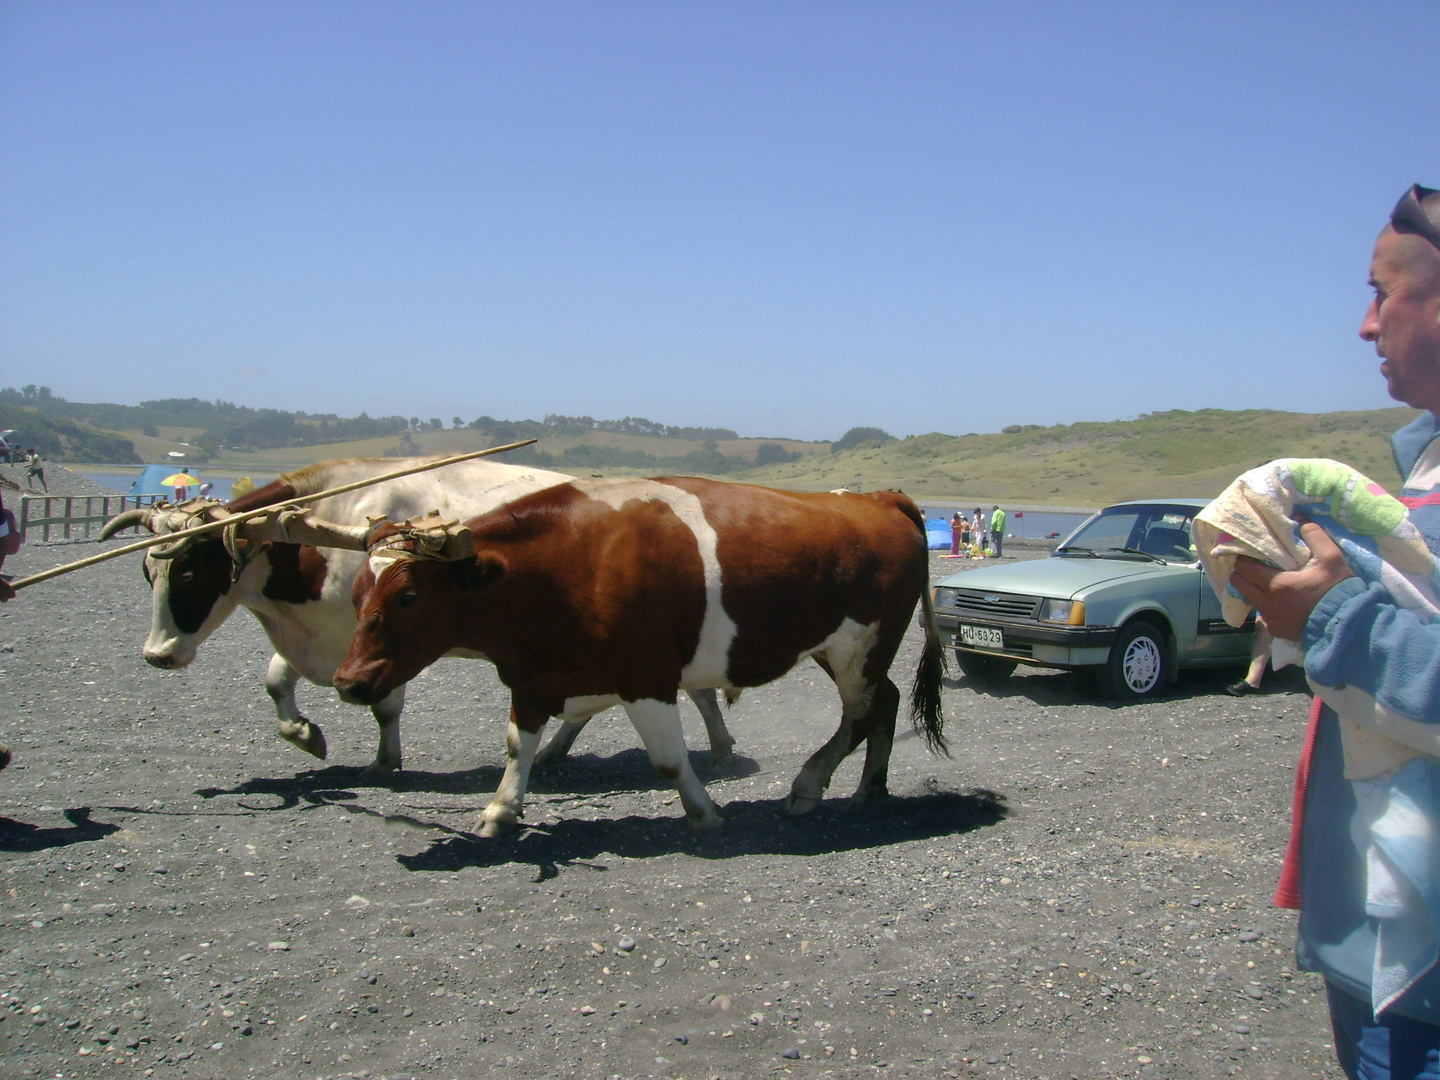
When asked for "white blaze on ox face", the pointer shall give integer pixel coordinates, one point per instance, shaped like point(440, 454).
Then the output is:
point(380, 563)
point(711, 664)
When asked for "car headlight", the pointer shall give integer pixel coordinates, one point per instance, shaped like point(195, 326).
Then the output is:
point(1069, 612)
point(945, 597)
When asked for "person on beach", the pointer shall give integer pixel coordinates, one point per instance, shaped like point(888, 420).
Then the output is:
point(1369, 899)
point(35, 469)
point(6, 533)
point(959, 533)
point(8, 537)
point(997, 530)
point(1259, 660)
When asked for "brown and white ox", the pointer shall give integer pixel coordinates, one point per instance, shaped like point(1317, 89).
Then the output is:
point(301, 594)
point(625, 591)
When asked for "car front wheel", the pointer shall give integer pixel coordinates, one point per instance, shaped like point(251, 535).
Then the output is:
point(1137, 665)
point(984, 669)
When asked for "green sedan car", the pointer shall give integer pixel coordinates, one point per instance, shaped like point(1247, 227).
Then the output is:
point(1122, 597)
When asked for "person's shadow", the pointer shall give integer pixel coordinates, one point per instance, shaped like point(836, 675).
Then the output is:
point(22, 836)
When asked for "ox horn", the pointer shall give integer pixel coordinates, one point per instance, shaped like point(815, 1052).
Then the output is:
point(298, 525)
point(141, 515)
point(181, 520)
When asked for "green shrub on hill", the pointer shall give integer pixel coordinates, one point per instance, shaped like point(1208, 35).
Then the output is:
point(65, 440)
point(858, 437)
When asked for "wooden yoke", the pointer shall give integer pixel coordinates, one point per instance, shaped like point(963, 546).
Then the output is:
point(298, 525)
point(431, 537)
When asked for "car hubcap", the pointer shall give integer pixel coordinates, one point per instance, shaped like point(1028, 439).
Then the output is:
point(1142, 665)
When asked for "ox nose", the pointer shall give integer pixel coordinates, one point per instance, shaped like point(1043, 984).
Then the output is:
point(357, 691)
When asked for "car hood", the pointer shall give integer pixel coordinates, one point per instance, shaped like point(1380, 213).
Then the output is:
point(1059, 576)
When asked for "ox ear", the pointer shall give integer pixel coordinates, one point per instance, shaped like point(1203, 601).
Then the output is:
point(480, 572)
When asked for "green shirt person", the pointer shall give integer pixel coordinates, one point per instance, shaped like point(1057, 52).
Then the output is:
point(35, 470)
point(997, 529)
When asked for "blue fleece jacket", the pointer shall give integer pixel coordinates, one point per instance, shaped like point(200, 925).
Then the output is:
point(1358, 637)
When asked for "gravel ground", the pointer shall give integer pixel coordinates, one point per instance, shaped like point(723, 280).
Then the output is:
point(1081, 891)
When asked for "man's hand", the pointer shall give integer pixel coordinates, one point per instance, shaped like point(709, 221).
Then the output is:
point(6, 592)
point(1285, 598)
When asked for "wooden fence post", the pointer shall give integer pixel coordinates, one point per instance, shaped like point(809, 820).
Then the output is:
point(34, 517)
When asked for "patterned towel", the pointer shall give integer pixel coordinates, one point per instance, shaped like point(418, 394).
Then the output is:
point(1256, 514)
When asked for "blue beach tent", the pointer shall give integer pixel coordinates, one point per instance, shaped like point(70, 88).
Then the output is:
point(148, 483)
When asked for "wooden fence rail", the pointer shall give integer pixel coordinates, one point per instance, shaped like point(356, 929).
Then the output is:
point(75, 512)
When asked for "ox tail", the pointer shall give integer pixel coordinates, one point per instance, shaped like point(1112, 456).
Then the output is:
point(925, 713)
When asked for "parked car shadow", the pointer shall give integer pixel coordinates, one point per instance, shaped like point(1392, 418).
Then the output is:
point(22, 836)
point(752, 827)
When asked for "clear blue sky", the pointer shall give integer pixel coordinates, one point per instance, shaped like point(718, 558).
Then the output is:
point(787, 218)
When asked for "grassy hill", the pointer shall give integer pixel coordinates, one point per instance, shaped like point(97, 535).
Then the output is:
point(1075, 465)
point(1091, 464)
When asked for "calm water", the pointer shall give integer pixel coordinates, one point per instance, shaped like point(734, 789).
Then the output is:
point(121, 482)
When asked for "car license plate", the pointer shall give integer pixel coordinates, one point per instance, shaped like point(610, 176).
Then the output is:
point(981, 637)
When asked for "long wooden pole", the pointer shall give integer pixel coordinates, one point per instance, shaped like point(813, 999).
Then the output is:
point(212, 526)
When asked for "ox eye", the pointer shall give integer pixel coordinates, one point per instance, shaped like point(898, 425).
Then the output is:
point(408, 597)
point(187, 576)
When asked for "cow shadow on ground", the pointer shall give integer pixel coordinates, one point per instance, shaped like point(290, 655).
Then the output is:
point(752, 827)
point(579, 774)
point(22, 836)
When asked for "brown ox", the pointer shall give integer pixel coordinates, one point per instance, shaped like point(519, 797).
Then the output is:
point(625, 591)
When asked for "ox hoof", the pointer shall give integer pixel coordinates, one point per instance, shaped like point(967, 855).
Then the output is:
point(712, 823)
point(796, 805)
point(377, 770)
point(869, 798)
point(720, 759)
point(497, 825)
point(4, 756)
point(307, 737)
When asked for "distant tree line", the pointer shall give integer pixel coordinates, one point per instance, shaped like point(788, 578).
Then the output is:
point(225, 425)
point(556, 424)
point(222, 423)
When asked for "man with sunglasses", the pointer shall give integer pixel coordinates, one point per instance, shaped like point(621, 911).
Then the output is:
point(1370, 901)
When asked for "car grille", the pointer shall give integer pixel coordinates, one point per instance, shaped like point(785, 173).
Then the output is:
point(982, 604)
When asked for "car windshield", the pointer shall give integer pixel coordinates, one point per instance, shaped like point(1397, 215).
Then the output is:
point(1159, 531)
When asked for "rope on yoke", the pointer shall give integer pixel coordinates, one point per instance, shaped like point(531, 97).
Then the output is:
point(432, 537)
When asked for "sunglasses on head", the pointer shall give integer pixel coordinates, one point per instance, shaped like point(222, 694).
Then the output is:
point(1410, 217)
